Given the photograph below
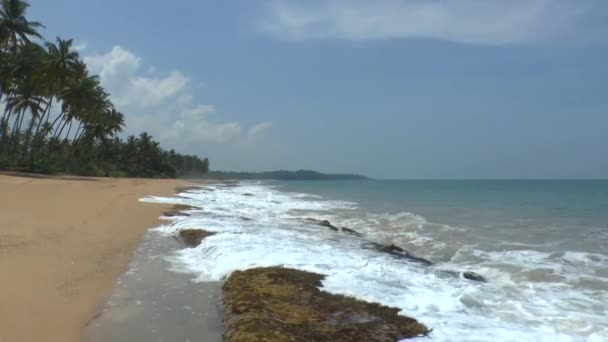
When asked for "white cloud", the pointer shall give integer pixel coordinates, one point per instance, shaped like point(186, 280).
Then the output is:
point(162, 104)
point(259, 129)
point(81, 47)
point(464, 21)
point(119, 71)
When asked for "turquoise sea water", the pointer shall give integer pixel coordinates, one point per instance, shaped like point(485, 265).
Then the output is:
point(556, 215)
point(541, 245)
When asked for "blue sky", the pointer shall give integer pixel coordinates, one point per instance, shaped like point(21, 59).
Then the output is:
point(390, 89)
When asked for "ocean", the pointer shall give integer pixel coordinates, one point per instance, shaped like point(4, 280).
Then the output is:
point(542, 246)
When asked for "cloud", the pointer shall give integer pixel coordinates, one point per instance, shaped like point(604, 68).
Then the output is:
point(119, 71)
point(259, 129)
point(81, 47)
point(485, 22)
point(162, 103)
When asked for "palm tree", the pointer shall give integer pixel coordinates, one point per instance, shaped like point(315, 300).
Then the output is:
point(14, 27)
point(24, 99)
point(81, 96)
point(60, 64)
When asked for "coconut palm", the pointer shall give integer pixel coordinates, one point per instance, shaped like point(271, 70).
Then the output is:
point(60, 64)
point(15, 29)
point(33, 77)
point(25, 98)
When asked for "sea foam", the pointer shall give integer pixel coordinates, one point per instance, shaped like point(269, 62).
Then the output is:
point(257, 226)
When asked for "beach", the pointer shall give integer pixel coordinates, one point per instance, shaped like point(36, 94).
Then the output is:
point(63, 243)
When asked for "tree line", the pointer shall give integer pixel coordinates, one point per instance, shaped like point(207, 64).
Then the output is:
point(57, 117)
point(281, 175)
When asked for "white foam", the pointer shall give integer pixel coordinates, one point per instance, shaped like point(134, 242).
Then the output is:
point(267, 229)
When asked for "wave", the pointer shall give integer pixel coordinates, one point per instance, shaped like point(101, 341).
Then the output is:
point(530, 296)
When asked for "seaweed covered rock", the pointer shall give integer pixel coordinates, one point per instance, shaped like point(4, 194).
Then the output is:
point(398, 252)
point(178, 210)
point(193, 237)
point(279, 304)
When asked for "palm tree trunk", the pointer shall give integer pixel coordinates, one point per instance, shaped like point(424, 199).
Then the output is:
point(67, 135)
point(60, 116)
point(5, 119)
point(47, 114)
point(28, 138)
point(78, 134)
point(65, 122)
point(14, 143)
point(47, 111)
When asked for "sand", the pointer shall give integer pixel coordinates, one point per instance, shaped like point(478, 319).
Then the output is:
point(63, 243)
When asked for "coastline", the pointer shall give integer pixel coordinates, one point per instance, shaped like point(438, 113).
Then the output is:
point(64, 241)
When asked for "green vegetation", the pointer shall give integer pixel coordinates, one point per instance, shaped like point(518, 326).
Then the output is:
point(282, 305)
point(56, 117)
point(282, 175)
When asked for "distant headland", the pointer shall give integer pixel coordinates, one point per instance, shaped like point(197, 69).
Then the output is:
point(281, 175)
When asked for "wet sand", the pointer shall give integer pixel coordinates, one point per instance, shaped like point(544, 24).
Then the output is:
point(152, 303)
point(63, 243)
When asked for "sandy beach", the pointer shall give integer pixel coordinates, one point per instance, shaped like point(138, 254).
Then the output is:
point(63, 243)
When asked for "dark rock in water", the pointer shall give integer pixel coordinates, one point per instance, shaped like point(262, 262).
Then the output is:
point(228, 184)
point(466, 275)
point(399, 252)
point(351, 232)
point(326, 223)
point(277, 304)
point(246, 218)
point(248, 195)
point(474, 277)
point(186, 188)
point(178, 210)
point(193, 237)
point(323, 223)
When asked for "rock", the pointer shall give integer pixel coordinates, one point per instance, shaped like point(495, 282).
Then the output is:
point(323, 223)
point(400, 253)
point(466, 275)
point(228, 184)
point(193, 237)
point(474, 276)
point(351, 232)
point(248, 195)
point(246, 218)
point(277, 304)
point(186, 188)
point(178, 210)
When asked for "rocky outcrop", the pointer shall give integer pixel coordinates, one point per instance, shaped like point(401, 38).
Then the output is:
point(180, 189)
point(178, 210)
point(351, 232)
point(323, 223)
point(279, 305)
point(465, 275)
point(193, 237)
point(474, 276)
point(398, 252)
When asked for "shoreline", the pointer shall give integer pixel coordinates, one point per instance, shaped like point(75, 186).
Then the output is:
point(151, 302)
point(64, 242)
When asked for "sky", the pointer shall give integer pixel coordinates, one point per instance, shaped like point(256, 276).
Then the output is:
point(390, 89)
